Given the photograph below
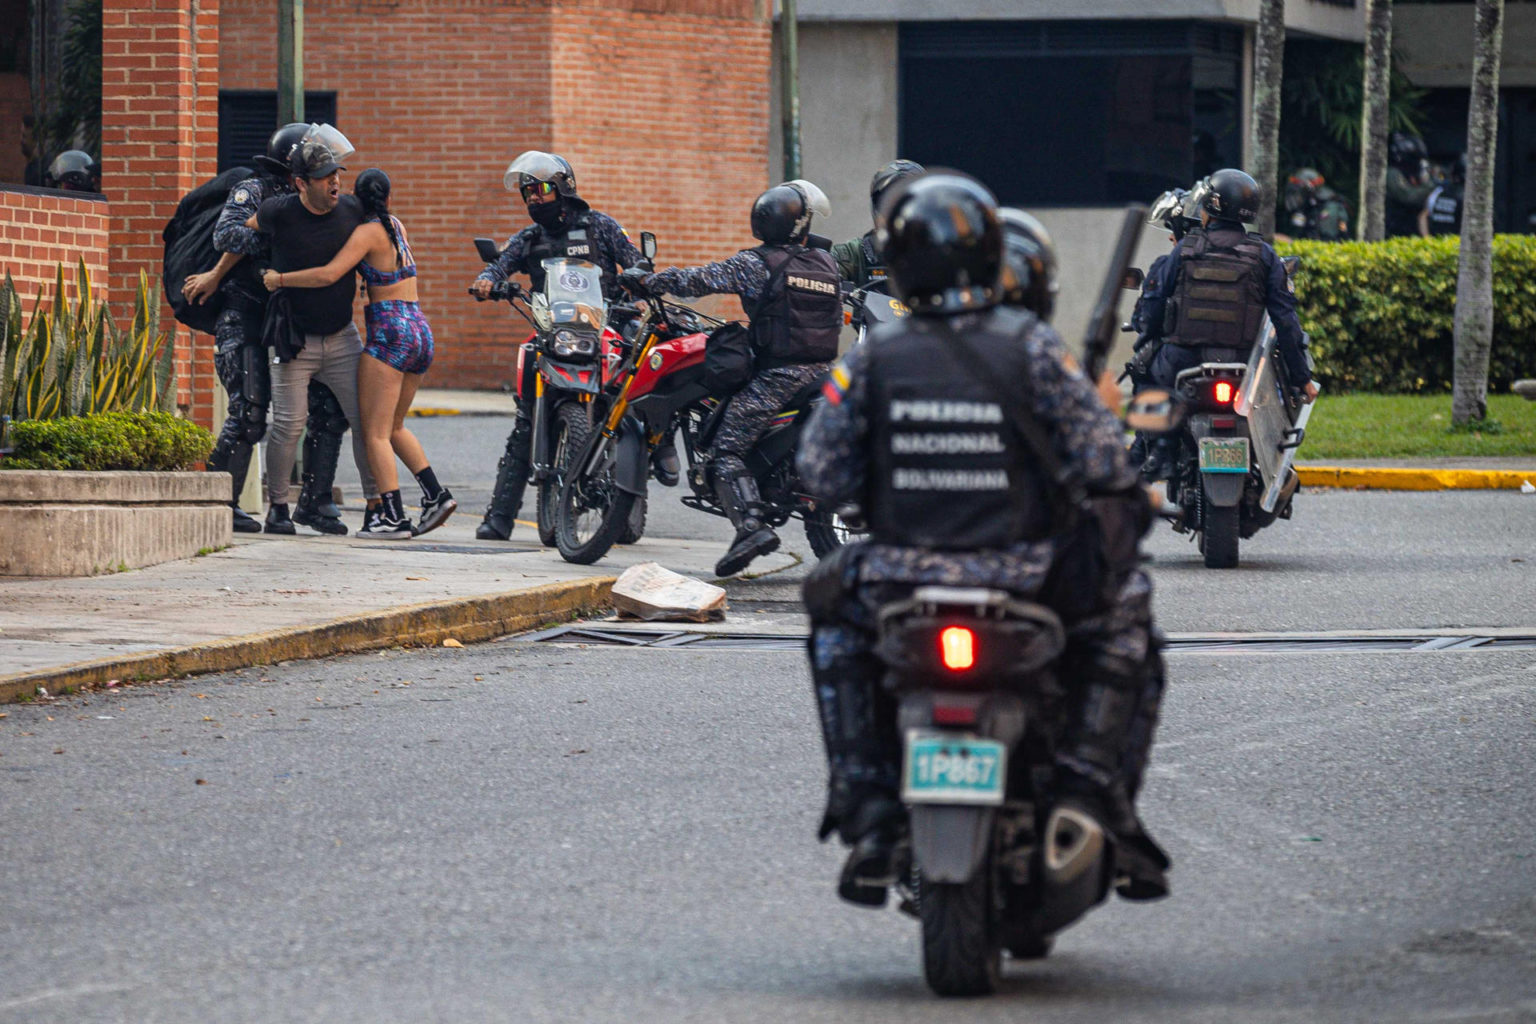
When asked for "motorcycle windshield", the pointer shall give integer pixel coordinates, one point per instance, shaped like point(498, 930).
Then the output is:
point(574, 290)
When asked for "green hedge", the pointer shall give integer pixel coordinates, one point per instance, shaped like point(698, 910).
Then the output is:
point(113, 440)
point(1381, 314)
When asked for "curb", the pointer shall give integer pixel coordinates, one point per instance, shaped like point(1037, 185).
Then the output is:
point(1414, 479)
point(464, 619)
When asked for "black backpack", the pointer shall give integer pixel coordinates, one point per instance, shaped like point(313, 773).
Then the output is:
point(188, 238)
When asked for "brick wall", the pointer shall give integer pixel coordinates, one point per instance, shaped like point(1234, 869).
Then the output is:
point(159, 140)
point(661, 106)
point(39, 230)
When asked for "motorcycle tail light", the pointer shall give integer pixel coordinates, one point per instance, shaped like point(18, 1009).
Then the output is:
point(957, 647)
point(1223, 392)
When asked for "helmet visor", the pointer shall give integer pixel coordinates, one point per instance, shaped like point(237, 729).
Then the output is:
point(332, 139)
point(532, 166)
point(816, 200)
point(1166, 207)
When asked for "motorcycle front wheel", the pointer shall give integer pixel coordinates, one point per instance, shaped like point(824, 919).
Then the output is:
point(962, 954)
point(571, 431)
point(591, 511)
point(825, 531)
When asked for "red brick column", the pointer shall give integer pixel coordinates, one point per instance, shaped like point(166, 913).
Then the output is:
point(159, 140)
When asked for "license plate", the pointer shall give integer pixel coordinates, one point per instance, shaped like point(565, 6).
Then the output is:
point(946, 768)
point(1223, 455)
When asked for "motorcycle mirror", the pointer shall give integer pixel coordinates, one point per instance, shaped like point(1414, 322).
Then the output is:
point(1154, 411)
point(647, 245)
point(487, 250)
point(1133, 279)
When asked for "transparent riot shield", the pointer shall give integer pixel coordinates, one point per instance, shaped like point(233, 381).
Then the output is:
point(1274, 436)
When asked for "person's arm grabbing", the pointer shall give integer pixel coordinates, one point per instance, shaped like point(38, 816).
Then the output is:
point(358, 246)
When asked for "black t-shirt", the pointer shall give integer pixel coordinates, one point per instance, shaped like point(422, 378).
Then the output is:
point(301, 240)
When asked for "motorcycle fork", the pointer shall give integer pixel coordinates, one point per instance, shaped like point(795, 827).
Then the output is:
point(540, 455)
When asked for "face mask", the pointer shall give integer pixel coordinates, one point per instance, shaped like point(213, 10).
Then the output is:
point(547, 215)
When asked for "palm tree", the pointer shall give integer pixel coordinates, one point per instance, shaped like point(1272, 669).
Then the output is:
point(1268, 63)
point(1474, 277)
point(1373, 120)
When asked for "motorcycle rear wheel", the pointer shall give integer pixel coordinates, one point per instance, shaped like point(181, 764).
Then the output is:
point(591, 511)
point(962, 955)
point(634, 527)
point(1219, 537)
point(826, 531)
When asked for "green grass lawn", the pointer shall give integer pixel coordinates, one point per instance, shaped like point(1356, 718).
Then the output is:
point(1404, 426)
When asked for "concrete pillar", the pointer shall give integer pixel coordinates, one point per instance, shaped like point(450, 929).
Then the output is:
point(159, 140)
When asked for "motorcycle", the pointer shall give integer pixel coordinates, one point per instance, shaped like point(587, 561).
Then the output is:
point(573, 352)
point(1233, 474)
point(659, 389)
point(870, 306)
point(992, 862)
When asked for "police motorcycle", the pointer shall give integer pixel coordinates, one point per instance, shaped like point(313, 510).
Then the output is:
point(869, 307)
point(1233, 473)
point(561, 369)
point(659, 388)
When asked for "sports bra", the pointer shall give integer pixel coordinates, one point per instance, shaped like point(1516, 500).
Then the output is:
point(380, 278)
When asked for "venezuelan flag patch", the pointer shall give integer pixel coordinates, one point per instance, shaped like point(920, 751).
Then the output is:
point(836, 385)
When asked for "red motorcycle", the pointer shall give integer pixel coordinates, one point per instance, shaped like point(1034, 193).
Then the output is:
point(659, 389)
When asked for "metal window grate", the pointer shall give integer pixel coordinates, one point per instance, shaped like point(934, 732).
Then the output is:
point(248, 117)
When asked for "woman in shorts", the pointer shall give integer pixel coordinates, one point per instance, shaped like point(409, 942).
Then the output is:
point(397, 352)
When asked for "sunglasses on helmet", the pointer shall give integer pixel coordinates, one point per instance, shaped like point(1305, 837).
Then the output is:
point(537, 189)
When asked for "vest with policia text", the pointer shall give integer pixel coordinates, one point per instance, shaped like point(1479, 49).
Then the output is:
point(1219, 299)
point(799, 316)
point(575, 243)
point(949, 471)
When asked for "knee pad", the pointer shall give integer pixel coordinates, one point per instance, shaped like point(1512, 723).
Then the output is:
point(325, 412)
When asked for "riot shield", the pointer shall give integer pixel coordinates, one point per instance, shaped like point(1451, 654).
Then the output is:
point(1274, 436)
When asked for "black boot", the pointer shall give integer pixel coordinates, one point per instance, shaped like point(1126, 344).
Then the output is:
point(1159, 460)
point(511, 481)
point(316, 507)
point(664, 463)
point(234, 458)
point(739, 496)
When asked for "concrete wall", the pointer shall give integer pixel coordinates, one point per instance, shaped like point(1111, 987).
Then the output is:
point(1434, 44)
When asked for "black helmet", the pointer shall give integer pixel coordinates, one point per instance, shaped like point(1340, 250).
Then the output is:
point(1231, 194)
point(942, 243)
point(1029, 263)
point(1406, 152)
point(783, 214)
point(892, 173)
point(74, 170)
point(280, 148)
point(1301, 187)
point(536, 168)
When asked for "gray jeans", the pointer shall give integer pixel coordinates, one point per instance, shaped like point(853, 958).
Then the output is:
point(332, 360)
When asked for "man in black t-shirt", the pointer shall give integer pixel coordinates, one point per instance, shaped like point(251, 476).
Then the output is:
point(308, 229)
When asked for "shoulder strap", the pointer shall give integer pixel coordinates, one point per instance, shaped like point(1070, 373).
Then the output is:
point(1067, 491)
point(775, 277)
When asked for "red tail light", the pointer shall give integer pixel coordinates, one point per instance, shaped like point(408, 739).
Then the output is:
point(1223, 392)
point(957, 646)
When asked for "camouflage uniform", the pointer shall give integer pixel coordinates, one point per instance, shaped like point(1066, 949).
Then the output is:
point(612, 250)
point(753, 407)
point(241, 361)
point(1109, 630)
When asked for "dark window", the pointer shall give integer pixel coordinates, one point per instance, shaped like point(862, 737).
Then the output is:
point(1444, 127)
point(248, 117)
point(1072, 113)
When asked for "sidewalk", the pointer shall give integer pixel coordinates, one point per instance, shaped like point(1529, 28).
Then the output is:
point(269, 599)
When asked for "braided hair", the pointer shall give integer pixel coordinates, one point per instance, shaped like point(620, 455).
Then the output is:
point(372, 191)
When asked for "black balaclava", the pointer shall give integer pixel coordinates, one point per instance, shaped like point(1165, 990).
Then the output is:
point(549, 216)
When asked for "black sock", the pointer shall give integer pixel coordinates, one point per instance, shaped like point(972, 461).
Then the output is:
point(390, 504)
point(430, 488)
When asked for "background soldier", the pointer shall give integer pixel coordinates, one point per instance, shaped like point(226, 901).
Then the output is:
point(856, 258)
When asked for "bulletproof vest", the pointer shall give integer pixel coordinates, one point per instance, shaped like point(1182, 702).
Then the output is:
point(874, 267)
point(949, 469)
point(1445, 211)
point(799, 316)
point(575, 243)
point(1218, 301)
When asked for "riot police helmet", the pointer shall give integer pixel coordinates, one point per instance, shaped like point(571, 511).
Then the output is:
point(281, 147)
point(304, 160)
point(75, 171)
point(536, 173)
point(942, 243)
point(783, 214)
point(1168, 211)
point(1029, 263)
point(1232, 195)
point(1301, 188)
point(1406, 152)
point(887, 177)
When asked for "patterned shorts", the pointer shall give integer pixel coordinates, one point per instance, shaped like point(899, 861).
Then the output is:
point(398, 335)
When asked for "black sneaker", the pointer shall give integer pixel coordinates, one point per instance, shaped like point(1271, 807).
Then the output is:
point(312, 518)
point(378, 525)
point(435, 513)
point(278, 521)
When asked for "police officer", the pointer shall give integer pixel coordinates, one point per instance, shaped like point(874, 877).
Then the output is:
point(1408, 183)
point(1317, 211)
point(74, 171)
point(241, 359)
point(1219, 282)
point(790, 291)
point(1442, 210)
point(1177, 211)
point(857, 259)
point(563, 225)
point(986, 513)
